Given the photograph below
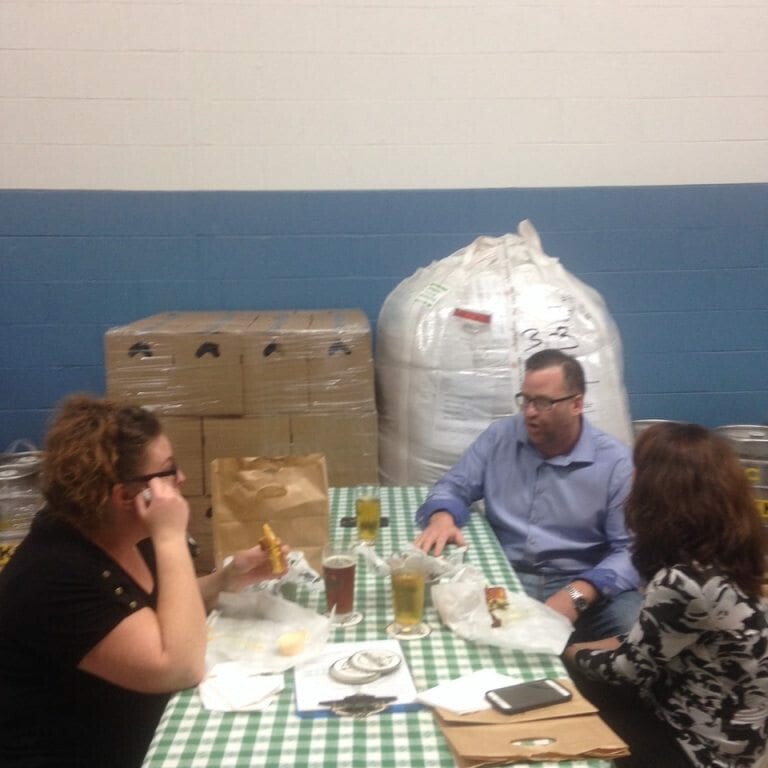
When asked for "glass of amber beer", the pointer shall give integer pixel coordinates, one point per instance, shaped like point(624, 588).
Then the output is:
point(367, 513)
point(408, 582)
point(339, 561)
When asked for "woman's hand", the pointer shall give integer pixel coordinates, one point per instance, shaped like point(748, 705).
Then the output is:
point(606, 644)
point(247, 566)
point(167, 511)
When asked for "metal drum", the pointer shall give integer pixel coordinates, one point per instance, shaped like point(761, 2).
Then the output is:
point(641, 424)
point(750, 441)
point(20, 497)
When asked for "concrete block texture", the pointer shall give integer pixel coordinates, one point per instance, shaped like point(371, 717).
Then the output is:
point(344, 94)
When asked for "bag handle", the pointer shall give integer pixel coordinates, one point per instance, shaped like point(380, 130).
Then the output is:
point(262, 488)
point(271, 491)
point(22, 445)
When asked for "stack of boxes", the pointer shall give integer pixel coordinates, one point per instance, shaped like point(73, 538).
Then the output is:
point(251, 384)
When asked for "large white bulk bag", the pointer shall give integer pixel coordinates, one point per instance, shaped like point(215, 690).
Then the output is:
point(452, 341)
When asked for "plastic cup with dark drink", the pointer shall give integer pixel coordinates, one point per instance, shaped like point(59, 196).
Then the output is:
point(339, 561)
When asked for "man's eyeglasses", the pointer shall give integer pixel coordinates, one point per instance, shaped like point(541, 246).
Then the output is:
point(172, 472)
point(540, 403)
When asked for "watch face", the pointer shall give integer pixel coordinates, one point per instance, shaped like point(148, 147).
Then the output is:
point(579, 601)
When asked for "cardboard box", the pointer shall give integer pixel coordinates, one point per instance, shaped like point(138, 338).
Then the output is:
point(244, 436)
point(180, 363)
point(242, 363)
point(275, 363)
point(340, 361)
point(348, 440)
point(201, 529)
point(186, 436)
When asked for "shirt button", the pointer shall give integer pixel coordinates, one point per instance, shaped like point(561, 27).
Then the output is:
point(119, 590)
point(106, 574)
point(132, 605)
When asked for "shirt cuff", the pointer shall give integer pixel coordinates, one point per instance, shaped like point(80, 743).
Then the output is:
point(455, 508)
point(603, 580)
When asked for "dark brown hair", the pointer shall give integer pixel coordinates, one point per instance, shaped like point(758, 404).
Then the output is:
point(92, 445)
point(573, 373)
point(691, 504)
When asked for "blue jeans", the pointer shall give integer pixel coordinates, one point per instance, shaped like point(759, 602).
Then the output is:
point(607, 617)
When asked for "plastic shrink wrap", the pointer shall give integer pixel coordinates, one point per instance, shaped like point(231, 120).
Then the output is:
point(452, 341)
point(251, 383)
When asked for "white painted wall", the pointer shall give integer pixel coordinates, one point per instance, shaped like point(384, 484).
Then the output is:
point(381, 94)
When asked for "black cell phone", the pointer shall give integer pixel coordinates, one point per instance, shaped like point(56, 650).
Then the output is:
point(351, 521)
point(524, 696)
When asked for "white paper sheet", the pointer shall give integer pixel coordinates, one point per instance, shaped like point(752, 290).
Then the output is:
point(466, 694)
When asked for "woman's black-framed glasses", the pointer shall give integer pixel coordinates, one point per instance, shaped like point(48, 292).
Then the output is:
point(540, 403)
point(172, 472)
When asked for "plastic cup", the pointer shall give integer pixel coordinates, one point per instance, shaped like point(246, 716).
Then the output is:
point(339, 565)
point(367, 513)
point(408, 585)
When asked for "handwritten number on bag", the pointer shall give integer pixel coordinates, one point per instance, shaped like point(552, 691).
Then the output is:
point(561, 332)
point(561, 335)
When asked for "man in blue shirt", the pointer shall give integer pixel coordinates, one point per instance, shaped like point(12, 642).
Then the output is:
point(554, 488)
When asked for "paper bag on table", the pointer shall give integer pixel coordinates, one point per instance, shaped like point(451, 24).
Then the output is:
point(562, 738)
point(288, 492)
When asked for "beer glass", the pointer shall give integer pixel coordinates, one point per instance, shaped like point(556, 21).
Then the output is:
point(408, 583)
point(367, 513)
point(339, 561)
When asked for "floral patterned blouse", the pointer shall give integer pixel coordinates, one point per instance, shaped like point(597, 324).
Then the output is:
point(698, 653)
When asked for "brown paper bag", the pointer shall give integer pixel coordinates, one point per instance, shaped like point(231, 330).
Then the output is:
point(563, 738)
point(288, 492)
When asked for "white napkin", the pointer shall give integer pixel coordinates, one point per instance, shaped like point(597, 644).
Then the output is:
point(466, 694)
point(234, 686)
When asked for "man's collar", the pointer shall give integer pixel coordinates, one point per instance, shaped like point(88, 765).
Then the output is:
point(582, 452)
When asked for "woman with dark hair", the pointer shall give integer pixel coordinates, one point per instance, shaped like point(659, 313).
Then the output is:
point(691, 676)
point(101, 614)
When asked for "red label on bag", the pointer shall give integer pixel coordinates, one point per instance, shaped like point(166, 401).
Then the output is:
point(468, 314)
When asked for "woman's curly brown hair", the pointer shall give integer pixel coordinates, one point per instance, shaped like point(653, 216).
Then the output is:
point(691, 504)
point(91, 446)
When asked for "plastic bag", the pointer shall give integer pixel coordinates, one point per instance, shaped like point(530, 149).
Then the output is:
point(445, 566)
point(452, 340)
point(529, 625)
point(249, 626)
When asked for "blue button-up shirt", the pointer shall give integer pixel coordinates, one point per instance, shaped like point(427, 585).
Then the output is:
point(563, 514)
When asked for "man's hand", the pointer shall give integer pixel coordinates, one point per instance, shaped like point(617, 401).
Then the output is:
point(441, 530)
point(561, 601)
point(606, 644)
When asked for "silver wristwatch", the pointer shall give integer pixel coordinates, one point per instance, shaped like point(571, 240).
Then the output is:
point(579, 601)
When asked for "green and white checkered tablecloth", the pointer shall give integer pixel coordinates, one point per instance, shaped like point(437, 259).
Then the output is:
point(189, 736)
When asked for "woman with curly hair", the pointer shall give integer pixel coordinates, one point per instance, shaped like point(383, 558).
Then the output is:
point(101, 614)
point(691, 677)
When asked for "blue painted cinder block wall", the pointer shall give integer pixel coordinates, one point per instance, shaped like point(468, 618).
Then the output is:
point(683, 270)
